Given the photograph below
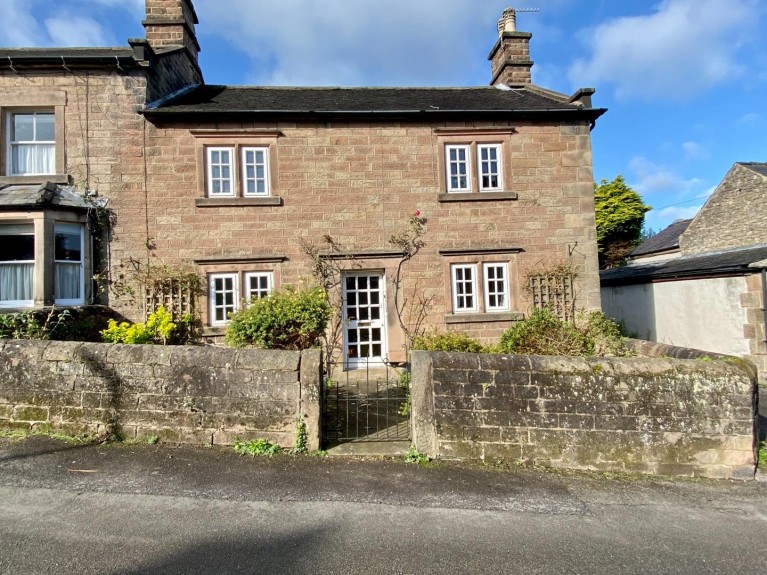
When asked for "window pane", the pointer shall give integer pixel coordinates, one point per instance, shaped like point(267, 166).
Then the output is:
point(68, 284)
point(67, 245)
point(17, 248)
point(45, 128)
point(23, 128)
point(16, 282)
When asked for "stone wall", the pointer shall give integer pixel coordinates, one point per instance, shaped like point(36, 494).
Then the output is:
point(359, 183)
point(645, 415)
point(185, 394)
point(734, 216)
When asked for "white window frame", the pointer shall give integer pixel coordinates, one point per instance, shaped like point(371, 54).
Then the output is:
point(498, 163)
point(244, 176)
point(10, 144)
point(454, 282)
point(232, 171)
point(234, 277)
point(248, 291)
point(81, 231)
point(22, 230)
point(486, 285)
point(466, 149)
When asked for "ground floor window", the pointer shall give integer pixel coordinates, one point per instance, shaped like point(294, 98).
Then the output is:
point(225, 293)
point(68, 261)
point(17, 265)
point(475, 291)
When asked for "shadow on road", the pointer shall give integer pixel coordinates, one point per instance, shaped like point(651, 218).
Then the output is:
point(296, 552)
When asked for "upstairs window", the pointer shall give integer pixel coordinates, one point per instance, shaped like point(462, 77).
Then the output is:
point(31, 143)
point(490, 167)
point(228, 177)
point(458, 169)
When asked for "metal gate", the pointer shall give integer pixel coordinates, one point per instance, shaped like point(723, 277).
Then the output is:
point(369, 404)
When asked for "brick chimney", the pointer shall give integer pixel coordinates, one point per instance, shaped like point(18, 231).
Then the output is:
point(510, 57)
point(170, 23)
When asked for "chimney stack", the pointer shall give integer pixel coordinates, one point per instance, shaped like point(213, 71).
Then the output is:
point(170, 23)
point(510, 57)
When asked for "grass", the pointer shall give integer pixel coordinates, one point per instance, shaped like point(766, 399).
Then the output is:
point(763, 454)
point(79, 439)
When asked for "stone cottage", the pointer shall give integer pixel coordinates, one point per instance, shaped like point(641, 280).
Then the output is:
point(253, 185)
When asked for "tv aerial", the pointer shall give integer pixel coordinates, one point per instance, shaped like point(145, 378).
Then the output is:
point(508, 22)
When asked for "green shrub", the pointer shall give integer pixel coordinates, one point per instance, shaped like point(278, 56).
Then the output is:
point(543, 333)
point(447, 341)
point(83, 323)
point(287, 319)
point(158, 329)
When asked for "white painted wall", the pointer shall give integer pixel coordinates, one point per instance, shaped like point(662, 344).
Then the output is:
point(698, 313)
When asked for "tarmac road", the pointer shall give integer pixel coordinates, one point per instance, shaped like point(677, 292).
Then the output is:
point(158, 509)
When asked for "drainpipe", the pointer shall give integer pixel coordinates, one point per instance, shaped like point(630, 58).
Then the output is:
point(764, 301)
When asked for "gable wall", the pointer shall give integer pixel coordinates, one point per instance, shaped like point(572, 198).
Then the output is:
point(734, 216)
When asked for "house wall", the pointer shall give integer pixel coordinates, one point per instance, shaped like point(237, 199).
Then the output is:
point(199, 395)
point(734, 216)
point(707, 314)
point(359, 183)
point(641, 415)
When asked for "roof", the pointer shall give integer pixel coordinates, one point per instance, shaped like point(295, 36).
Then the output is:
point(11, 57)
point(336, 101)
point(758, 167)
point(664, 240)
point(24, 197)
point(730, 262)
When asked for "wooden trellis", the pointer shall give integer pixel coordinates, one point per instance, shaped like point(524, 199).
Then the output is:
point(176, 295)
point(555, 292)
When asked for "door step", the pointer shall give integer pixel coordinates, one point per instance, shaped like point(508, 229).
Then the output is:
point(371, 448)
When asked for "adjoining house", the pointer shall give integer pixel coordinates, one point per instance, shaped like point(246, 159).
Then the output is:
point(710, 294)
point(237, 181)
point(662, 246)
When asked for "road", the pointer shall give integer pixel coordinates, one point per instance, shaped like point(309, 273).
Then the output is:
point(158, 509)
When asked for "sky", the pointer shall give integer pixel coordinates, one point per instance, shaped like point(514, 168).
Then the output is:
point(684, 81)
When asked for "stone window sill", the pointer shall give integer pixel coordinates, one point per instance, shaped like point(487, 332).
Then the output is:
point(237, 202)
point(213, 331)
point(477, 196)
point(62, 179)
point(453, 318)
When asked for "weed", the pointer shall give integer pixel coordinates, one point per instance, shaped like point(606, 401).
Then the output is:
point(79, 439)
point(153, 439)
point(299, 446)
point(414, 456)
point(404, 383)
point(256, 447)
point(762, 461)
point(704, 358)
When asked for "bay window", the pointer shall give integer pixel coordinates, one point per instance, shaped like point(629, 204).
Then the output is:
point(17, 265)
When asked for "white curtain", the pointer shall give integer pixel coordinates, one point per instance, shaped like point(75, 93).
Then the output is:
point(16, 281)
point(34, 158)
point(68, 281)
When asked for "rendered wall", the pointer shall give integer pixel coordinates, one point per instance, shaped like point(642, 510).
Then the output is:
point(644, 415)
point(184, 394)
point(701, 313)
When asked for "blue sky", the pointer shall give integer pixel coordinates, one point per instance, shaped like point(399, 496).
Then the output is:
point(685, 81)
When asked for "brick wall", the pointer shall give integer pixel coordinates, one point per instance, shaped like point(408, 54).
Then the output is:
point(735, 216)
point(200, 395)
point(645, 415)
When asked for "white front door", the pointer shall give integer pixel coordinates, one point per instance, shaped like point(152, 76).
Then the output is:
point(364, 319)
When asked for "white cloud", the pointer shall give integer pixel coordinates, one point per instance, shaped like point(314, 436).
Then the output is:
point(678, 51)
point(650, 178)
point(17, 26)
point(695, 152)
point(749, 119)
point(337, 42)
point(38, 23)
point(679, 212)
point(75, 31)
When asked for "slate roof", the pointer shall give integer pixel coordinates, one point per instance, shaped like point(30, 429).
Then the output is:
point(226, 100)
point(729, 262)
point(758, 167)
point(664, 240)
point(11, 57)
point(18, 197)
